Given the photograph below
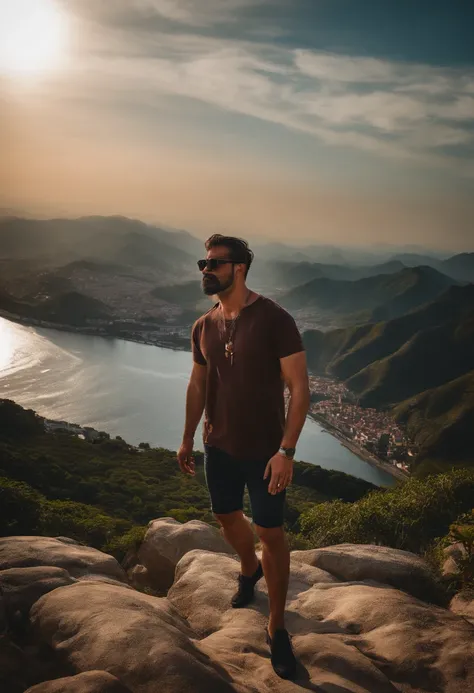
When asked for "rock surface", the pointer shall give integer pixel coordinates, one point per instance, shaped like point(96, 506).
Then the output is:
point(401, 569)
point(463, 605)
point(22, 587)
point(165, 543)
point(354, 630)
point(454, 554)
point(140, 639)
point(88, 682)
point(78, 560)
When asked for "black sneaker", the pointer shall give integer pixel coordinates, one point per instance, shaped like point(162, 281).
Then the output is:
point(283, 659)
point(244, 594)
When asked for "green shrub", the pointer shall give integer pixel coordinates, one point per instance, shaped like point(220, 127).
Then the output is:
point(81, 522)
point(21, 508)
point(462, 531)
point(130, 541)
point(410, 516)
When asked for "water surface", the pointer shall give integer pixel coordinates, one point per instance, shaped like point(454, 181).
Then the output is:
point(127, 389)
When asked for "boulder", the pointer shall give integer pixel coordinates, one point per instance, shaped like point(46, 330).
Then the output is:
point(139, 577)
point(93, 577)
point(87, 682)
point(140, 639)
point(22, 587)
point(77, 560)
point(453, 556)
point(401, 569)
point(462, 604)
point(167, 540)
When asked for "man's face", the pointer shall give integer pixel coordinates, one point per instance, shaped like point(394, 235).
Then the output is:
point(222, 277)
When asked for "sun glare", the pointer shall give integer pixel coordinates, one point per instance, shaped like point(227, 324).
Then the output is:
point(32, 36)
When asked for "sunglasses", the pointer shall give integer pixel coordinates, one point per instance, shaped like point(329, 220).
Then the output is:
point(213, 263)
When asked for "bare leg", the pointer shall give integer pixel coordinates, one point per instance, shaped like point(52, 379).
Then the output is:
point(239, 534)
point(276, 568)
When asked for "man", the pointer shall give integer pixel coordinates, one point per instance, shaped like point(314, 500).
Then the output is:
point(245, 348)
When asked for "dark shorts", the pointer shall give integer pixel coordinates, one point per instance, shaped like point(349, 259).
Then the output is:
point(226, 479)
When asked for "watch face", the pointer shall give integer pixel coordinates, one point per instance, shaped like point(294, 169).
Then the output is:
point(289, 452)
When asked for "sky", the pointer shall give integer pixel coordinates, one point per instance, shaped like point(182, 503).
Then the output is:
point(349, 122)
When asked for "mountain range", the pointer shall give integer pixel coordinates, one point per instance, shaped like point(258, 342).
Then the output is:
point(376, 298)
point(113, 239)
point(422, 358)
point(129, 241)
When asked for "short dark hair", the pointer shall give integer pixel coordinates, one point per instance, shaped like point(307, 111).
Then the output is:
point(239, 249)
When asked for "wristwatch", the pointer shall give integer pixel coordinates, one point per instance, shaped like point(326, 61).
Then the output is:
point(287, 452)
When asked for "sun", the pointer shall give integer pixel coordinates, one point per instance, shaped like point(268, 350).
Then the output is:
point(32, 36)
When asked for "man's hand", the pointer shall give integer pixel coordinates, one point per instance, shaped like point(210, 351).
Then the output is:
point(281, 470)
point(185, 456)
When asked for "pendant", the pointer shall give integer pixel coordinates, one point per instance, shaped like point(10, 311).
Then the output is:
point(229, 350)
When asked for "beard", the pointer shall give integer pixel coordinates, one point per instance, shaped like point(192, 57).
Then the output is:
point(212, 285)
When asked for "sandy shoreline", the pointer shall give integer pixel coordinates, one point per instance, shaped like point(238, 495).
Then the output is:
point(175, 343)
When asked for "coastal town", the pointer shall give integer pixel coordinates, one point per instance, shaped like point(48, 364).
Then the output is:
point(372, 434)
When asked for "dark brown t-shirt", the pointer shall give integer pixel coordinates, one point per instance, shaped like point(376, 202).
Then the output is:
point(245, 410)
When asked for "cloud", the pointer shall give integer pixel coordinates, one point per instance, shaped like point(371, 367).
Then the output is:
point(194, 13)
point(198, 12)
point(399, 110)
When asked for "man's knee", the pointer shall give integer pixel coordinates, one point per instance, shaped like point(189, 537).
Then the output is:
point(229, 519)
point(271, 536)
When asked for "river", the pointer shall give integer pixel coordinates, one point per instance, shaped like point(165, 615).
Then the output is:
point(128, 389)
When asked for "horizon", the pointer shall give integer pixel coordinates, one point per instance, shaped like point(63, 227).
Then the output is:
point(291, 122)
point(259, 241)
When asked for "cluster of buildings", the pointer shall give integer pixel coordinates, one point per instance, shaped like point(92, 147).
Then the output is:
point(328, 389)
point(375, 431)
point(85, 432)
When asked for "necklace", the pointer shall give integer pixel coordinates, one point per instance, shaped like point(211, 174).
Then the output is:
point(229, 344)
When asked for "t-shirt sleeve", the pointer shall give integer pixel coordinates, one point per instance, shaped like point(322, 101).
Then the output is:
point(286, 335)
point(198, 356)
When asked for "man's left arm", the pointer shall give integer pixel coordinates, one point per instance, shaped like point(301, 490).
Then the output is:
point(295, 374)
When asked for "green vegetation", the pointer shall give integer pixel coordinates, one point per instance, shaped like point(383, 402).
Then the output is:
point(441, 421)
point(462, 532)
point(70, 308)
point(104, 493)
point(410, 516)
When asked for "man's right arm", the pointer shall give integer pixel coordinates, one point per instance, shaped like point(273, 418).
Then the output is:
point(195, 401)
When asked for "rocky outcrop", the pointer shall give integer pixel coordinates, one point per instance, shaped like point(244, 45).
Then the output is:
point(165, 543)
point(77, 560)
point(354, 631)
point(88, 682)
point(400, 569)
point(22, 587)
point(454, 555)
point(462, 604)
